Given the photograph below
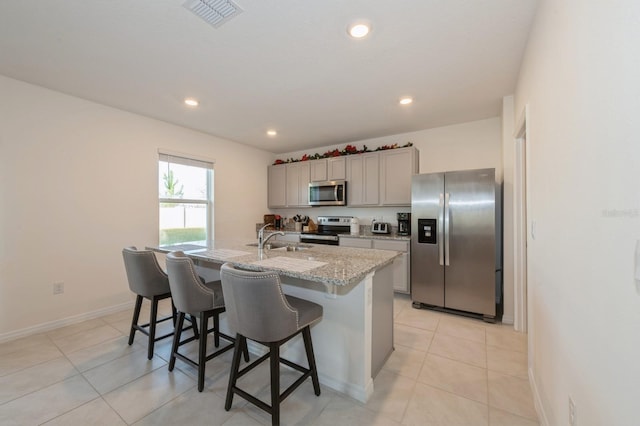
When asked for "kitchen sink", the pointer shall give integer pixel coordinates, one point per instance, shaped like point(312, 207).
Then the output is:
point(292, 248)
point(283, 246)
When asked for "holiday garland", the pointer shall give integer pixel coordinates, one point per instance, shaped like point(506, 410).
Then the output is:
point(348, 150)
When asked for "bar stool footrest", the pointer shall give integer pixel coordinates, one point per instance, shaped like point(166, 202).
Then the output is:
point(208, 357)
point(261, 404)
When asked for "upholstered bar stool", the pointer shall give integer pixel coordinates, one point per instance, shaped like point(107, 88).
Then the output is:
point(148, 281)
point(193, 297)
point(258, 310)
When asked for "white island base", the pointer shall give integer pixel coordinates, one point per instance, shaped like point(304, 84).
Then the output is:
point(355, 336)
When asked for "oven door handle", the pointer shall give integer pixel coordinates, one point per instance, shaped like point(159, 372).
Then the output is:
point(319, 237)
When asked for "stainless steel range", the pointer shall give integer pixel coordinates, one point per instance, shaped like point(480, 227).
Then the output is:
point(329, 227)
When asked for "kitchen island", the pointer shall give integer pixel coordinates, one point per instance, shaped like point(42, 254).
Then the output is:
point(354, 286)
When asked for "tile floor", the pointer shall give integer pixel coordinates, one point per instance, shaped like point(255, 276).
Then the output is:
point(446, 370)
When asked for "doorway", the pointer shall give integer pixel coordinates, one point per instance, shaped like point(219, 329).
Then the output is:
point(521, 311)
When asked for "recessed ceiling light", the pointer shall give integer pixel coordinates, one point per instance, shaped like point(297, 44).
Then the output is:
point(406, 100)
point(271, 132)
point(191, 102)
point(359, 30)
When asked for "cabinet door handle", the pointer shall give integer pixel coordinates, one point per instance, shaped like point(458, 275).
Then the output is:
point(440, 229)
point(447, 228)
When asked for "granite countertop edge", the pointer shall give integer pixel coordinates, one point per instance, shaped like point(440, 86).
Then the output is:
point(343, 266)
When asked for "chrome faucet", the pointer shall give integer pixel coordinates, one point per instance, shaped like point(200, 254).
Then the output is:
point(262, 240)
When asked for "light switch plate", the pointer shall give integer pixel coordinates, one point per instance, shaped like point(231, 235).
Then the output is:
point(534, 227)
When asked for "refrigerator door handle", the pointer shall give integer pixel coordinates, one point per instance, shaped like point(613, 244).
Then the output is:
point(441, 230)
point(447, 229)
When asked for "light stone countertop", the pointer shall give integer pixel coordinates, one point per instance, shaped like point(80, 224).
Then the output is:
point(373, 236)
point(343, 266)
point(366, 234)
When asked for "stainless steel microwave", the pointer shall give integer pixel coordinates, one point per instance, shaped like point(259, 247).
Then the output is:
point(328, 193)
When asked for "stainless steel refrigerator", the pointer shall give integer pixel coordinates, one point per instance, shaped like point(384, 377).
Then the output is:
point(453, 244)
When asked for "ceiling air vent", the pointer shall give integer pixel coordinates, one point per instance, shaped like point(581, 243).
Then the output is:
point(214, 12)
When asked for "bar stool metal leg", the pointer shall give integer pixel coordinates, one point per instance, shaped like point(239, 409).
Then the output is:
point(311, 359)
point(152, 326)
point(274, 349)
point(194, 325)
point(202, 349)
point(176, 341)
point(235, 366)
point(134, 320)
point(216, 333)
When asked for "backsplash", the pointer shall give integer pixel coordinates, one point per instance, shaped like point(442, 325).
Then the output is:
point(364, 229)
point(365, 215)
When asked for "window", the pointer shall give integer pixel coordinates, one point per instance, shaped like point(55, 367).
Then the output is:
point(185, 194)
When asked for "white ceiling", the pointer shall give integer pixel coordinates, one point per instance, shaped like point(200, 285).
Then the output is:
point(283, 64)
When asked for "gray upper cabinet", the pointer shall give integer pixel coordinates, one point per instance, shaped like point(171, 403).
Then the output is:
point(396, 168)
point(277, 186)
point(288, 185)
point(328, 169)
point(336, 168)
point(298, 184)
point(363, 179)
point(380, 178)
point(318, 170)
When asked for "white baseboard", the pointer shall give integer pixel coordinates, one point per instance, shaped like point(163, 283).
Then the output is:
point(48, 326)
point(360, 393)
point(508, 319)
point(542, 417)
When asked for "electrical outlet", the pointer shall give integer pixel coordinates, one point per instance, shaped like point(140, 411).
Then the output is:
point(573, 420)
point(58, 288)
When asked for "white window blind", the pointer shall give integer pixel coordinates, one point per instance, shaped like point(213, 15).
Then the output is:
point(185, 159)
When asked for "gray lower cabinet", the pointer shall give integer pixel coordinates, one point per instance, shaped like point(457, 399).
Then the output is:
point(356, 242)
point(402, 264)
point(289, 238)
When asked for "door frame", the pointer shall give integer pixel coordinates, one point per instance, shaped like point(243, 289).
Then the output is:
point(522, 320)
